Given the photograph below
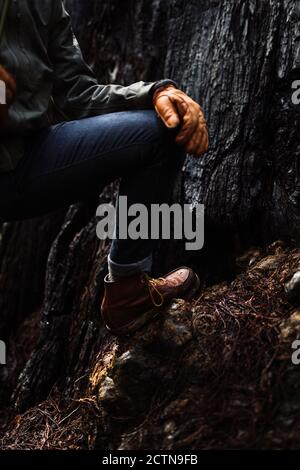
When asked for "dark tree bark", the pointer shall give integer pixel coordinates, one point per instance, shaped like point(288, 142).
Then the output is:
point(238, 59)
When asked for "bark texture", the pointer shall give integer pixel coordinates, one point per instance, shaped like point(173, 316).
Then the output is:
point(238, 59)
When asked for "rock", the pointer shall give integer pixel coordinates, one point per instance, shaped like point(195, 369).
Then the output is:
point(107, 391)
point(269, 263)
point(292, 288)
point(248, 258)
point(147, 364)
point(290, 328)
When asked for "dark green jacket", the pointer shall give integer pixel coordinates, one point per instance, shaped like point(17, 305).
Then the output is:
point(40, 51)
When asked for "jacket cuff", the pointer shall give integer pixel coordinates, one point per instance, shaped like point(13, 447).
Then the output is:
point(161, 84)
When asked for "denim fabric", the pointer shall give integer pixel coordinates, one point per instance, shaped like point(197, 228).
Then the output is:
point(70, 161)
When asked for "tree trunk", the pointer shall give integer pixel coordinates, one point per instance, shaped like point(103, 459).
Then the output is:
point(239, 60)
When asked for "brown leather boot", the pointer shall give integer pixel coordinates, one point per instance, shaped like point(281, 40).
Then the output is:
point(130, 302)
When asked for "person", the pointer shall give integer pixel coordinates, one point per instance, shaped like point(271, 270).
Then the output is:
point(64, 136)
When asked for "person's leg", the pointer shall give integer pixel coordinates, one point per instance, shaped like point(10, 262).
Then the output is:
point(152, 184)
point(67, 162)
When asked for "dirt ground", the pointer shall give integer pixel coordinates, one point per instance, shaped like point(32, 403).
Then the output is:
point(213, 373)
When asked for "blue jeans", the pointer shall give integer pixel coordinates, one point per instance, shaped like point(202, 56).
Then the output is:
point(71, 161)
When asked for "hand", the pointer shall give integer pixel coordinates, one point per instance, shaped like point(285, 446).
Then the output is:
point(174, 107)
point(10, 90)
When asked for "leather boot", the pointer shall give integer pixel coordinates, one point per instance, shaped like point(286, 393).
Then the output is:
point(130, 302)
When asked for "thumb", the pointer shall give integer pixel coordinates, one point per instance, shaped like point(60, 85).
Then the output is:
point(167, 111)
point(181, 107)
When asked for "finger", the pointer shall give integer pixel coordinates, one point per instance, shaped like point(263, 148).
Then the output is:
point(202, 146)
point(190, 123)
point(167, 111)
point(199, 142)
point(180, 105)
point(194, 143)
point(186, 132)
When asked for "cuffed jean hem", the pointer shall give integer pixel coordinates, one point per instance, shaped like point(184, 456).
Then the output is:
point(124, 270)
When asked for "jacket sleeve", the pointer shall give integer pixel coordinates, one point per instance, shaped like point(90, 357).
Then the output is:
point(76, 92)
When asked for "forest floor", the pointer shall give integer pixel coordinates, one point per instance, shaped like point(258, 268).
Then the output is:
point(213, 373)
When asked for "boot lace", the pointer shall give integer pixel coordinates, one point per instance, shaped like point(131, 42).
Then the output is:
point(153, 290)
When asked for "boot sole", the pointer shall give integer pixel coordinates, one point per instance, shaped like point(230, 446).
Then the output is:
point(136, 324)
point(145, 318)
